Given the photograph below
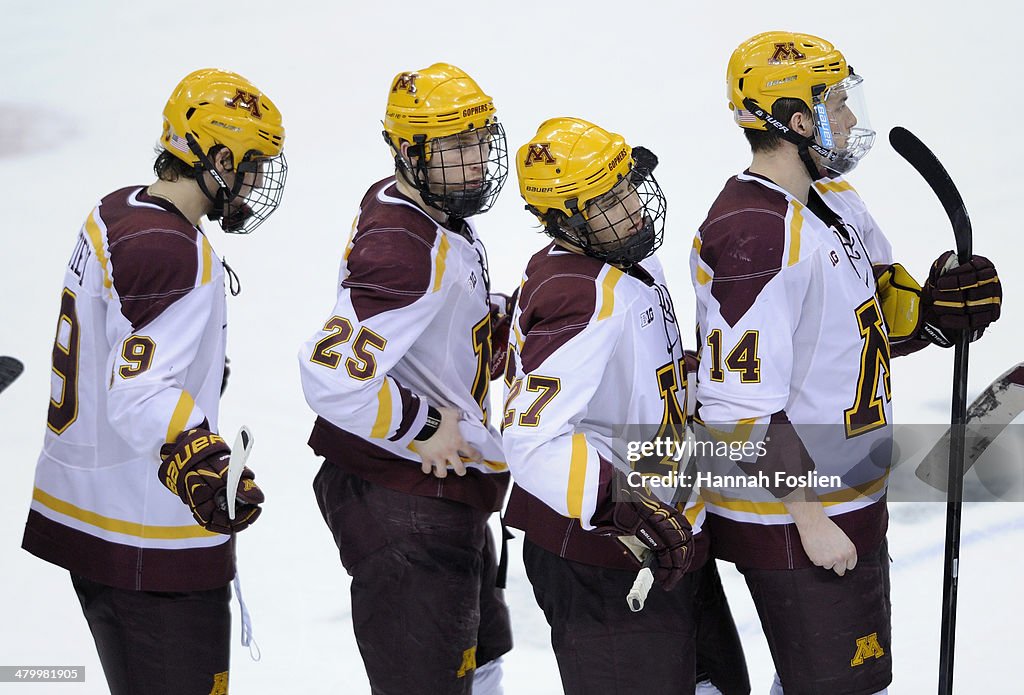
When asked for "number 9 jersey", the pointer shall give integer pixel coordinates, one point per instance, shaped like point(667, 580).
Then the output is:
point(138, 358)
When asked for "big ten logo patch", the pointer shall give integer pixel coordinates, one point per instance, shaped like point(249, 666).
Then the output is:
point(220, 684)
point(538, 153)
point(867, 648)
point(647, 317)
point(468, 662)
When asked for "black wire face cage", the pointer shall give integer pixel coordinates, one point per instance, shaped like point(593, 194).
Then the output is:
point(623, 226)
point(255, 195)
point(465, 172)
point(255, 192)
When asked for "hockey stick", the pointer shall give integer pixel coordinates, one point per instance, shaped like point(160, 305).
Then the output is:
point(10, 369)
point(988, 415)
point(239, 455)
point(928, 166)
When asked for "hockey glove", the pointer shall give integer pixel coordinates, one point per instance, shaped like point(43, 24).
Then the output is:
point(502, 307)
point(959, 298)
point(900, 297)
point(195, 468)
point(632, 511)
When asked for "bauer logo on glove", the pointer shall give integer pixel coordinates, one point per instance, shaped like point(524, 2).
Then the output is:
point(195, 468)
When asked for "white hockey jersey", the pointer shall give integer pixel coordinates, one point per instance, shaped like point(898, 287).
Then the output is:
point(789, 324)
point(595, 368)
point(411, 327)
point(138, 358)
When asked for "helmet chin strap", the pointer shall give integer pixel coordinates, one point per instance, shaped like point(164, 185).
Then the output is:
point(804, 144)
point(224, 194)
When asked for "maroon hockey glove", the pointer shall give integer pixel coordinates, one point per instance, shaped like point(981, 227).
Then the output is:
point(956, 298)
point(195, 468)
point(502, 307)
point(631, 511)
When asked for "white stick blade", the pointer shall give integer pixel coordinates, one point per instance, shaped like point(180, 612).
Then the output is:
point(239, 455)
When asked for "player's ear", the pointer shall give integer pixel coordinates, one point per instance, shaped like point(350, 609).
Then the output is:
point(223, 160)
point(801, 123)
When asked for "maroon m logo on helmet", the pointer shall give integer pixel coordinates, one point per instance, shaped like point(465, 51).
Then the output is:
point(538, 154)
point(785, 52)
point(406, 81)
point(245, 100)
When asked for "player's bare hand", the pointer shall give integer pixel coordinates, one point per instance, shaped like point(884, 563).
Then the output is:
point(446, 447)
point(828, 546)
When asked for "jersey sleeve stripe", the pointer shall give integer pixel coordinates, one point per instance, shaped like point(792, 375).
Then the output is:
point(127, 528)
point(382, 425)
point(180, 416)
point(442, 254)
point(796, 224)
point(92, 228)
point(611, 279)
point(577, 476)
point(207, 261)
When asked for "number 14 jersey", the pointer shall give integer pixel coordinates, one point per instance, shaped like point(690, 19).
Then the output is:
point(789, 322)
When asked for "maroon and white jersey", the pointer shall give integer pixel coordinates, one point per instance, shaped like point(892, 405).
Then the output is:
point(790, 324)
point(138, 358)
point(411, 327)
point(595, 360)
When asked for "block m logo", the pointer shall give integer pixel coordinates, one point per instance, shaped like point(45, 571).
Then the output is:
point(785, 52)
point(245, 100)
point(538, 153)
point(867, 648)
point(406, 81)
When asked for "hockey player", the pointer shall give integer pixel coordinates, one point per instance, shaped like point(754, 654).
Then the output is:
point(796, 335)
point(399, 378)
point(595, 358)
point(130, 487)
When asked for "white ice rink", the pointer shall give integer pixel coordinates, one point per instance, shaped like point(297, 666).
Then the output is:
point(81, 92)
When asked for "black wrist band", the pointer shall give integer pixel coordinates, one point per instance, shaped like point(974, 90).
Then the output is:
point(431, 425)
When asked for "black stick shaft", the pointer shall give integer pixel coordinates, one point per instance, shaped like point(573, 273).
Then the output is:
point(954, 507)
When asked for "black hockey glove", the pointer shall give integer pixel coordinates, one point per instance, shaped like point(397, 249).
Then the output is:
point(195, 468)
point(957, 298)
point(630, 511)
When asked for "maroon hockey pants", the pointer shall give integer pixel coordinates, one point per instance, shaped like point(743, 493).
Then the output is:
point(157, 642)
point(425, 608)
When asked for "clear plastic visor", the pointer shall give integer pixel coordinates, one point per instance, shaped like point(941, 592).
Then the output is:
point(842, 123)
